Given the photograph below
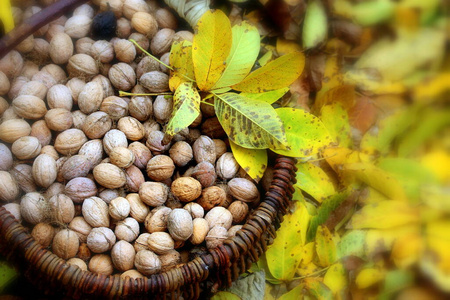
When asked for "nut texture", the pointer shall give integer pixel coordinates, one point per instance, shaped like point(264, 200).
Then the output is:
point(179, 224)
point(186, 189)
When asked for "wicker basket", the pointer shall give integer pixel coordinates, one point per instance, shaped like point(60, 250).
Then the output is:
point(219, 267)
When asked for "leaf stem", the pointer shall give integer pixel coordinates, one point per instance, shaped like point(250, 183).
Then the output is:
point(143, 50)
point(312, 274)
point(207, 103)
point(122, 93)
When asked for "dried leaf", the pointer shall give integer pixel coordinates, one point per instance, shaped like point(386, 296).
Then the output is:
point(305, 133)
point(210, 48)
point(325, 247)
point(181, 61)
point(314, 181)
point(332, 76)
point(249, 287)
point(315, 25)
point(363, 114)
point(269, 97)
point(275, 75)
point(250, 123)
point(253, 161)
point(335, 119)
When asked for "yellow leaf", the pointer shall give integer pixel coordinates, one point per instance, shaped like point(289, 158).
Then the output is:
point(343, 94)
point(243, 54)
point(429, 90)
point(253, 161)
point(293, 294)
point(332, 76)
point(406, 250)
point(277, 74)
point(287, 46)
point(384, 214)
point(181, 61)
point(308, 253)
point(210, 48)
point(314, 181)
point(368, 277)
point(318, 289)
point(335, 119)
point(269, 97)
point(6, 16)
point(438, 162)
point(325, 247)
point(382, 240)
point(225, 296)
point(307, 270)
point(336, 279)
point(264, 60)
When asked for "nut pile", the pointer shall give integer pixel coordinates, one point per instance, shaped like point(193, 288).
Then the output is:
point(86, 170)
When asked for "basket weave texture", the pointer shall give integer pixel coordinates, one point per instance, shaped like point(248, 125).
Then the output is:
point(219, 267)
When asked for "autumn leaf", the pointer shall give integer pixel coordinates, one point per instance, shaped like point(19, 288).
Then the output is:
point(210, 48)
point(368, 277)
point(305, 133)
point(253, 161)
point(250, 123)
point(335, 119)
point(342, 94)
point(243, 54)
point(6, 16)
point(365, 13)
point(225, 296)
point(275, 75)
point(269, 97)
point(318, 289)
point(181, 61)
point(315, 25)
point(314, 181)
point(186, 108)
point(294, 294)
point(332, 76)
point(352, 244)
point(325, 247)
point(336, 280)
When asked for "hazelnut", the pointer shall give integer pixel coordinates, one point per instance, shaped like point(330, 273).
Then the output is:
point(160, 167)
point(127, 229)
point(95, 212)
point(215, 237)
point(101, 264)
point(219, 216)
point(160, 242)
point(186, 189)
point(147, 262)
point(122, 255)
point(109, 175)
point(179, 224)
point(201, 229)
point(156, 220)
point(243, 189)
point(101, 239)
point(181, 153)
point(65, 244)
point(211, 196)
point(43, 233)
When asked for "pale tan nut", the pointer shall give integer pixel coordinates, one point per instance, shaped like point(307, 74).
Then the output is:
point(54, 189)
point(84, 9)
point(204, 149)
point(160, 167)
point(162, 107)
point(114, 138)
point(135, 178)
point(227, 166)
point(40, 130)
point(27, 147)
point(75, 85)
point(26, 45)
point(6, 158)
point(78, 262)
point(101, 239)
point(125, 51)
point(144, 23)
point(115, 6)
point(141, 107)
point(61, 48)
point(141, 242)
point(81, 228)
point(170, 260)
point(59, 119)
point(121, 157)
point(211, 197)
point(181, 153)
point(79, 118)
point(43, 233)
point(243, 189)
point(195, 209)
point(83, 66)
point(11, 130)
point(65, 244)
point(127, 229)
point(33, 88)
point(92, 151)
point(3, 105)
point(12, 63)
point(76, 166)
point(91, 97)
point(138, 209)
point(155, 142)
point(147, 262)
point(156, 220)
point(9, 189)
point(63, 209)
point(201, 229)
point(29, 107)
point(33, 208)
point(103, 51)
point(122, 255)
point(133, 129)
point(51, 151)
point(83, 252)
point(141, 153)
point(165, 18)
point(105, 83)
point(160, 242)
point(109, 175)
point(95, 212)
point(97, 124)
point(108, 195)
point(101, 264)
point(179, 224)
point(115, 107)
point(119, 208)
point(133, 274)
point(14, 209)
point(130, 7)
point(123, 30)
point(205, 173)
point(162, 41)
point(216, 236)
point(122, 76)
point(147, 64)
point(153, 193)
point(219, 216)
point(70, 141)
point(239, 211)
point(78, 26)
point(232, 231)
point(155, 81)
point(44, 170)
point(80, 188)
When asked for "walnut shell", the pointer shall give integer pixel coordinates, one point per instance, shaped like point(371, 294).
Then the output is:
point(95, 212)
point(127, 229)
point(109, 175)
point(155, 81)
point(83, 66)
point(101, 264)
point(80, 188)
point(122, 255)
point(29, 107)
point(219, 216)
point(147, 262)
point(201, 229)
point(44, 170)
point(215, 237)
point(204, 149)
point(211, 196)
point(156, 220)
point(181, 153)
point(179, 224)
point(160, 167)
point(101, 239)
point(186, 189)
point(11, 130)
point(243, 189)
point(119, 208)
point(122, 76)
point(153, 193)
point(76, 166)
point(227, 166)
point(70, 141)
point(65, 244)
point(160, 242)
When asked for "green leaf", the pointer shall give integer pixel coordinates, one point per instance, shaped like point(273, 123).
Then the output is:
point(275, 75)
point(253, 161)
point(352, 244)
point(305, 133)
point(225, 296)
point(250, 123)
point(264, 60)
point(294, 294)
point(7, 275)
point(315, 25)
point(313, 180)
point(210, 48)
point(325, 247)
point(186, 108)
point(181, 61)
point(335, 119)
point(366, 13)
point(242, 57)
point(394, 281)
point(318, 289)
point(269, 97)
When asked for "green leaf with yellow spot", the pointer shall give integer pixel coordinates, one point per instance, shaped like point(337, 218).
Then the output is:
point(325, 247)
point(186, 108)
point(305, 133)
point(242, 57)
point(275, 75)
point(269, 97)
point(314, 181)
point(253, 161)
point(210, 48)
point(335, 119)
point(181, 61)
point(250, 123)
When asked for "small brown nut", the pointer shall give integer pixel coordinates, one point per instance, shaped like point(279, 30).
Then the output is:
point(43, 233)
point(62, 207)
point(61, 48)
point(81, 228)
point(155, 142)
point(170, 260)
point(11, 64)
point(26, 45)
point(127, 229)
point(135, 178)
point(201, 229)
point(122, 76)
point(103, 51)
point(232, 231)
point(162, 41)
point(181, 153)
point(11, 130)
point(219, 216)
point(165, 18)
point(205, 173)
point(141, 242)
point(78, 262)
point(125, 51)
point(101, 239)
point(97, 124)
point(91, 97)
point(14, 209)
point(78, 26)
point(133, 129)
point(160, 242)
point(70, 141)
point(204, 150)
point(121, 157)
point(155, 81)
point(243, 189)
point(212, 128)
point(195, 209)
point(80, 188)
point(29, 107)
point(115, 107)
point(27, 147)
point(147, 64)
point(44, 170)
point(227, 166)
point(65, 244)
point(141, 153)
point(56, 72)
point(153, 193)
point(50, 150)
point(144, 23)
point(9, 189)
point(179, 224)
point(239, 211)
point(83, 66)
point(54, 189)
point(106, 85)
point(156, 220)
point(3, 105)
point(186, 189)
point(101, 264)
point(114, 138)
point(83, 252)
point(16, 86)
point(76, 166)
point(123, 30)
point(215, 237)
point(109, 175)
point(95, 212)
point(160, 167)
point(138, 209)
point(147, 262)
point(211, 196)
point(59, 119)
point(119, 208)
point(122, 255)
